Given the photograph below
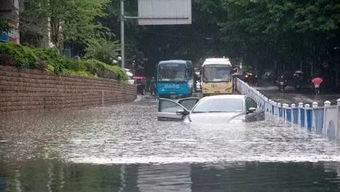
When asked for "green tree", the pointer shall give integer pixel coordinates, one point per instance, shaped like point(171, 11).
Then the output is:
point(272, 34)
point(281, 34)
point(4, 27)
point(103, 49)
point(68, 20)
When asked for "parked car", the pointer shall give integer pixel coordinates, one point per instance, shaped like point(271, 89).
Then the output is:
point(210, 109)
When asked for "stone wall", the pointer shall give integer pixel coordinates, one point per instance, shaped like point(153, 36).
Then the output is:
point(23, 89)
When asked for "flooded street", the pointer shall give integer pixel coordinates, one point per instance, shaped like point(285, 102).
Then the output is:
point(124, 148)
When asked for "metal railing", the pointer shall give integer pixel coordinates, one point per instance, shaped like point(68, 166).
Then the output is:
point(323, 120)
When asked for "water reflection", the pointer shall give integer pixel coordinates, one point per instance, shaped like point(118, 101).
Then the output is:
point(55, 176)
point(166, 178)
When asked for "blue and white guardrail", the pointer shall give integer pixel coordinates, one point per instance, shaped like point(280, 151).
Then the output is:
point(323, 120)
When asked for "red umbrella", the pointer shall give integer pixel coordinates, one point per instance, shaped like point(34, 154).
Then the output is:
point(317, 80)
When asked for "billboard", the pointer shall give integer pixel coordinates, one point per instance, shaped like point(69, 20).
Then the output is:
point(164, 12)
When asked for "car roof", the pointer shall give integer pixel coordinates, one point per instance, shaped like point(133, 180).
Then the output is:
point(223, 97)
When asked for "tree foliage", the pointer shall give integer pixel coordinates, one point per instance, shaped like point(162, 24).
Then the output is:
point(273, 34)
point(4, 26)
point(68, 20)
point(103, 49)
point(287, 32)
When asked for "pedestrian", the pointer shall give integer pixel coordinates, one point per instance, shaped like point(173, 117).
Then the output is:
point(317, 82)
point(153, 86)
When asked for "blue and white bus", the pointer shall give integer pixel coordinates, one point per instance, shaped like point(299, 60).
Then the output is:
point(174, 78)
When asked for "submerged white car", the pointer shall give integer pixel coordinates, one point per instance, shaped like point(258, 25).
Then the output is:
point(211, 109)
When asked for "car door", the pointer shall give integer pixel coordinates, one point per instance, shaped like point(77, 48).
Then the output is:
point(175, 110)
point(188, 103)
point(253, 115)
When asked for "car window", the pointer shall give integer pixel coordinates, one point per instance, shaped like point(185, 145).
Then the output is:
point(219, 105)
point(168, 106)
point(189, 103)
point(250, 103)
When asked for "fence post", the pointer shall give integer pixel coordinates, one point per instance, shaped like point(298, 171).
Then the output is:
point(279, 110)
point(293, 107)
point(300, 115)
point(285, 108)
point(308, 117)
point(327, 104)
point(274, 108)
point(338, 118)
point(314, 106)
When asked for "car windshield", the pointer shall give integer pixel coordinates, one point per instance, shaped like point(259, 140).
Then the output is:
point(219, 105)
point(172, 72)
point(215, 73)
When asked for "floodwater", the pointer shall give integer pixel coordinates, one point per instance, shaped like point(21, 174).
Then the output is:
point(124, 148)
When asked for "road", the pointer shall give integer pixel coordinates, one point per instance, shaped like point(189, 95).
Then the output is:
point(124, 148)
point(293, 96)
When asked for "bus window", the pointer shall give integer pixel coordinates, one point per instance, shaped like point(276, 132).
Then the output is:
point(172, 72)
point(216, 73)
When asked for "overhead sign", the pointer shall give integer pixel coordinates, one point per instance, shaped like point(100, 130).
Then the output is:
point(164, 12)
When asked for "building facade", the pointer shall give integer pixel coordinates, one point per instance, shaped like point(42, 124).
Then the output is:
point(10, 10)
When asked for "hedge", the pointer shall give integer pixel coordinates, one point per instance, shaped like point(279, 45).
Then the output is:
point(17, 55)
point(50, 60)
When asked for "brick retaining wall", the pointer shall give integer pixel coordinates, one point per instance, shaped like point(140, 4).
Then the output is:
point(24, 89)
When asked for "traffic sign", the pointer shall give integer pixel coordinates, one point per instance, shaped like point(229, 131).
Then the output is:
point(164, 12)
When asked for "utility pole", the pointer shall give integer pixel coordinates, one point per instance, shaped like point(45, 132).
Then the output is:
point(122, 33)
point(158, 18)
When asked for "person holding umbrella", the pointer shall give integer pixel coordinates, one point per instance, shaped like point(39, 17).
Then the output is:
point(317, 82)
point(298, 79)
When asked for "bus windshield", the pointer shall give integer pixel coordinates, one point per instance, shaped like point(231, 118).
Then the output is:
point(216, 73)
point(172, 72)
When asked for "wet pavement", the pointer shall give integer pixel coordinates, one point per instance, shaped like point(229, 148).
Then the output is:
point(124, 148)
point(295, 96)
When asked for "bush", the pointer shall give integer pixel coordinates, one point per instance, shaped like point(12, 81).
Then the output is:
point(21, 56)
point(103, 49)
point(51, 60)
point(55, 61)
point(104, 70)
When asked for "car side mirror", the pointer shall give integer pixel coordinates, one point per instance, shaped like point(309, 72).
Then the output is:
point(251, 110)
point(182, 112)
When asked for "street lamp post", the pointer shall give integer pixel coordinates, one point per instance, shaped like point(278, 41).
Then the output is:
point(122, 33)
